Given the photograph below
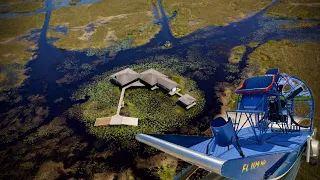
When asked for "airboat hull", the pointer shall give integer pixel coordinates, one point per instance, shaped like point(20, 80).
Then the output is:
point(271, 160)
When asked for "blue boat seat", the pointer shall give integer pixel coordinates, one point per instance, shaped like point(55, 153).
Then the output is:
point(257, 84)
point(275, 72)
point(224, 135)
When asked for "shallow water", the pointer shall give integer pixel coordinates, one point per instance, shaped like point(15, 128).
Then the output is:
point(218, 40)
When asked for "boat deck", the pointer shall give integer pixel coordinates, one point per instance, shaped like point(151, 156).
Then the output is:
point(272, 143)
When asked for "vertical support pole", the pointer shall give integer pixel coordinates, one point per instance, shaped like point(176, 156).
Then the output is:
point(308, 149)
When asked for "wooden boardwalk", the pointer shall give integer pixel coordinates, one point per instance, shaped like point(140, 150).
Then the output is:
point(135, 84)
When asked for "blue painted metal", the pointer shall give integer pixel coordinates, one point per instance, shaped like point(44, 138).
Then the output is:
point(213, 164)
point(224, 135)
point(257, 84)
point(251, 167)
point(271, 144)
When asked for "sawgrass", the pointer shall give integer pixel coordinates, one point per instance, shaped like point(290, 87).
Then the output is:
point(85, 14)
point(296, 9)
point(126, 20)
point(21, 119)
point(26, 6)
point(18, 26)
point(303, 24)
point(74, 2)
point(54, 34)
point(9, 2)
point(253, 44)
point(194, 15)
point(237, 53)
point(14, 57)
point(120, 29)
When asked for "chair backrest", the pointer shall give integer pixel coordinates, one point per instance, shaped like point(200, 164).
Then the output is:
point(275, 72)
point(223, 131)
point(257, 84)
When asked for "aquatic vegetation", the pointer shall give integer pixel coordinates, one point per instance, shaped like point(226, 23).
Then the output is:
point(74, 70)
point(167, 45)
point(21, 119)
point(110, 34)
point(296, 9)
point(157, 111)
point(161, 165)
point(56, 126)
point(36, 151)
point(50, 170)
point(253, 44)
point(101, 176)
point(301, 24)
point(113, 23)
point(24, 6)
point(18, 26)
point(74, 2)
point(193, 15)
point(54, 34)
point(9, 2)
point(14, 57)
point(77, 16)
point(16, 52)
point(237, 53)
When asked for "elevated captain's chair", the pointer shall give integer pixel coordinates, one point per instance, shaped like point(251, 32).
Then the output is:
point(224, 135)
point(255, 91)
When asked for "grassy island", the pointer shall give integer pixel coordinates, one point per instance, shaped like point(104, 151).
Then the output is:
point(14, 51)
point(156, 110)
point(302, 9)
point(194, 15)
point(109, 22)
point(237, 53)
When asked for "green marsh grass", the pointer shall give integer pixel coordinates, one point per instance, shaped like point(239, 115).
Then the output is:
point(125, 19)
point(253, 44)
point(193, 15)
point(237, 53)
point(18, 26)
point(14, 54)
point(302, 24)
point(296, 9)
point(26, 6)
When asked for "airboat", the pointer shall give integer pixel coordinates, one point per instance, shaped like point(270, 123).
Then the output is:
point(264, 138)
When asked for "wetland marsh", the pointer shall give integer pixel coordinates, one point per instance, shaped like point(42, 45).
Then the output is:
point(55, 65)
